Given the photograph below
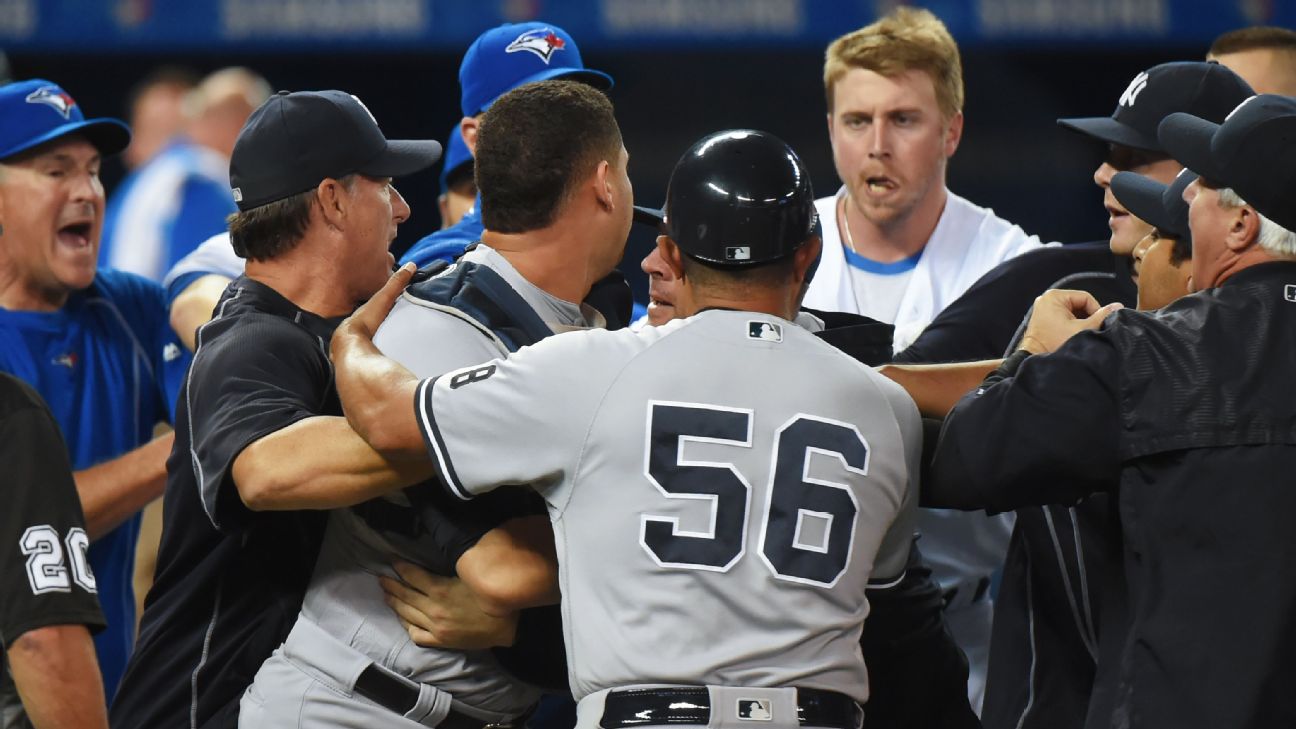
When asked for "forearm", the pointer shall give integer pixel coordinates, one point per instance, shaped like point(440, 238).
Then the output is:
point(318, 463)
point(936, 389)
point(113, 491)
point(513, 566)
point(193, 307)
point(57, 676)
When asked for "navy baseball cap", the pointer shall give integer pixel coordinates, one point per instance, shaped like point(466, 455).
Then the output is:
point(456, 158)
point(293, 141)
point(1253, 152)
point(503, 58)
point(1205, 89)
point(1159, 205)
point(37, 111)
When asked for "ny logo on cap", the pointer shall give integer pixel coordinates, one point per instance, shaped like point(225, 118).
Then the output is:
point(754, 710)
point(53, 97)
point(738, 253)
point(541, 41)
point(1132, 91)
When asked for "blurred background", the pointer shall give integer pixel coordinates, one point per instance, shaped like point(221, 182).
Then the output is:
point(683, 68)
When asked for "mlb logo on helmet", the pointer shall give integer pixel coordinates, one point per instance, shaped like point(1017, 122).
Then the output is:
point(754, 710)
point(738, 253)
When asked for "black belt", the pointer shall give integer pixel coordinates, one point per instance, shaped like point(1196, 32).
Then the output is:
point(401, 695)
point(692, 705)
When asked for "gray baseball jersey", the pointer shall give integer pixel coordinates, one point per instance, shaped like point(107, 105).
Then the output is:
point(722, 489)
point(344, 596)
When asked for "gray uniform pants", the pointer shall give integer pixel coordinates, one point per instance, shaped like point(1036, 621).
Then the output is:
point(309, 683)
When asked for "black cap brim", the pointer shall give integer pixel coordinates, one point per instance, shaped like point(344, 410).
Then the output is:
point(650, 216)
point(1107, 129)
point(1188, 140)
point(1143, 197)
point(403, 157)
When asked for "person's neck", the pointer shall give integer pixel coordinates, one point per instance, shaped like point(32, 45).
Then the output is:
point(555, 259)
point(762, 302)
point(24, 295)
point(310, 281)
point(1252, 256)
point(893, 240)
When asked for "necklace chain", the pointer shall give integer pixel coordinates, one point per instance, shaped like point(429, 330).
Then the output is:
point(845, 224)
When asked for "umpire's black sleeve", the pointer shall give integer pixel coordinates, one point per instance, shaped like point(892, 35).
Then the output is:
point(1047, 434)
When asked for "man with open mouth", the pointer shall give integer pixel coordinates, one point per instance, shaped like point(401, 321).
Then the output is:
point(95, 344)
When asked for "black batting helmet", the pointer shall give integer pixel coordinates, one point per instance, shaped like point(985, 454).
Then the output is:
point(737, 198)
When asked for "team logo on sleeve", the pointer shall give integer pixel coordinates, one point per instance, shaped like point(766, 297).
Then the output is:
point(543, 42)
point(764, 330)
point(754, 710)
point(54, 98)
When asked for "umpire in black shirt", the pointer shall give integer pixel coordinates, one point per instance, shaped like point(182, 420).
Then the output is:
point(1189, 410)
point(311, 174)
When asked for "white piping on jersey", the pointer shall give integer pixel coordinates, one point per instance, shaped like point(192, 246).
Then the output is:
point(1090, 620)
point(202, 660)
point(441, 456)
point(193, 452)
point(1030, 622)
point(1066, 583)
point(458, 315)
point(887, 584)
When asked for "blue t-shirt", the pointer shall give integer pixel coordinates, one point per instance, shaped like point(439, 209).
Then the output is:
point(109, 367)
point(447, 245)
point(164, 209)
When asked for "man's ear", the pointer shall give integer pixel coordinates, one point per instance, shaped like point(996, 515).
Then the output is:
point(1244, 231)
point(805, 257)
point(468, 127)
point(334, 202)
point(603, 185)
point(954, 134)
point(672, 255)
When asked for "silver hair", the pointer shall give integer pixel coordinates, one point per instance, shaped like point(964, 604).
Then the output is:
point(1273, 237)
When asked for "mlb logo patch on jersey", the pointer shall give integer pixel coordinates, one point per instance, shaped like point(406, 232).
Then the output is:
point(754, 710)
point(1289, 292)
point(738, 253)
point(764, 330)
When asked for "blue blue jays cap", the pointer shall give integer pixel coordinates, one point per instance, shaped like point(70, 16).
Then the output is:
point(38, 111)
point(456, 158)
point(503, 58)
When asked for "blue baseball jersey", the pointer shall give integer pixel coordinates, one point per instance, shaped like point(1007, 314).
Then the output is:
point(163, 210)
point(447, 245)
point(109, 367)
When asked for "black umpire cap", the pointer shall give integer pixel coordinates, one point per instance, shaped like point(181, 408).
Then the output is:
point(737, 198)
point(1159, 205)
point(294, 141)
point(1253, 152)
point(1205, 89)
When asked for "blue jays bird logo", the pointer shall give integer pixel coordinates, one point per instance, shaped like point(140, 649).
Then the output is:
point(53, 97)
point(68, 360)
point(541, 41)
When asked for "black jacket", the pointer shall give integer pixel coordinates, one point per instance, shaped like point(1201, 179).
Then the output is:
point(1190, 411)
